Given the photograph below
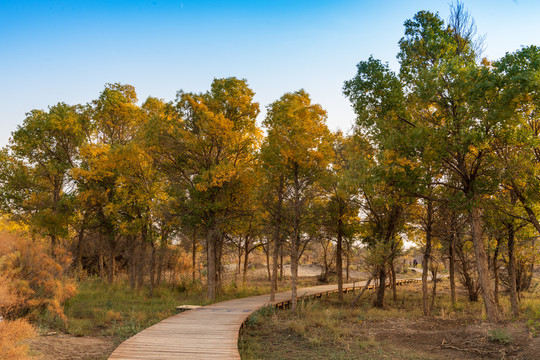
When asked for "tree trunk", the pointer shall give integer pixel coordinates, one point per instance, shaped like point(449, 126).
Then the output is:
point(239, 264)
point(101, 265)
point(434, 290)
point(53, 245)
point(512, 271)
point(246, 258)
point(141, 263)
point(211, 261)
point(379, 301)
point(112, 260)
point(268, 270)
point(80, 240)
point(132, 246)
point(160, 259)
point(361, 292)
point(219, 257)
point(496, 271)
point(452, 271)
point(339, 260)
point(194, 257)
point(426, 258)
point(295, 239)
point(152, 268)
point(281, 269)
point(394, 281)
point(348, 261)
point(482, 266)
point(277, 242)
point(275, 259)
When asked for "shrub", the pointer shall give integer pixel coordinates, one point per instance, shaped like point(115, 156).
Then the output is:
point(12, 332)
point(36, 280)
point(11, 335)
point(500, 336)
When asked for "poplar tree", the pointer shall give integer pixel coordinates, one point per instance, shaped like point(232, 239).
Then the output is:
point(300, 142)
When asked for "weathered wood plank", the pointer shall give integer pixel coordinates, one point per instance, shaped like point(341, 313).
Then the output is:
point(208, 332)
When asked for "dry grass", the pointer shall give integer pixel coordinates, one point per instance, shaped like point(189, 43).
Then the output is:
point(327, 329)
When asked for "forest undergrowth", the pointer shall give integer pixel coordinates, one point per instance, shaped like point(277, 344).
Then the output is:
point(329, 329)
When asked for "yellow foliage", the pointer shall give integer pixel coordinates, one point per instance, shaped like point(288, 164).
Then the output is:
point(32, 279)
point(11, 335)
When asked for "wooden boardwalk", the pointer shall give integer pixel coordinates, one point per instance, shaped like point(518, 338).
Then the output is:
point(209, 332)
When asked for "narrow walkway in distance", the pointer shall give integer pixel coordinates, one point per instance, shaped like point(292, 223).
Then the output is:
point(208, 332)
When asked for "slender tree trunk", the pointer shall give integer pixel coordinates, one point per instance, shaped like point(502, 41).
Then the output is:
point(325, 262)
point(80, 240)
point(219, 257)
point(296, 239)
point(211, 261)
point(379, 301)
point(277, 242)
point(434, 290)
point(132, 246)
point(512, 271)
point(274, 285)
point(101, 265)
point(482, 266)
point(132, 273)
point(112, 260)
point(361, 292)
point(281, 269)
point(394, 281)
point(348, 261)
point(152, 268)
point(496, 271)
point(268, 270)
point(246, 258)
point(160, 258)
point(339, 260)
point(54, 240)
point(452, 271)
point(426, 258)
point(194, 257)
point(142, 264)
point(239, 264)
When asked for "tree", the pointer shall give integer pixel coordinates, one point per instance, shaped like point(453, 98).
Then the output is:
point(106, 163)
point(207, 146)
point(299, 142)
point(342, 207)
point(441, 105)
point(35, 180)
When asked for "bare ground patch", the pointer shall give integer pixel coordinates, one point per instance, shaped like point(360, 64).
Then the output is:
point(67, 347)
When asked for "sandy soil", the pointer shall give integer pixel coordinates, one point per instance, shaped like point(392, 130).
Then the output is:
point(66, 347)
point(452, 339)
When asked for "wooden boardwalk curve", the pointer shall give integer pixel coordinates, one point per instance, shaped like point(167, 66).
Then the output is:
point(208, 332)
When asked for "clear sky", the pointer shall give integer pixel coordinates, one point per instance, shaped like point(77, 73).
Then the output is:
point(54, 51)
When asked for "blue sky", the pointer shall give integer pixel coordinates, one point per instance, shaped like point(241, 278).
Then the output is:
point(54, 51)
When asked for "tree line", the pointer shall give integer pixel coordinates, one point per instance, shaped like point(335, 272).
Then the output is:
point(444, 153)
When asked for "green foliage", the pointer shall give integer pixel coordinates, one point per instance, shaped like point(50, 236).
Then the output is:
point(35, 169)
point(500, 336)
point(101, 309)
point(264, 312)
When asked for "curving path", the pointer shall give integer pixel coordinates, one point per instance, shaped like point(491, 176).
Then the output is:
point(208, 332)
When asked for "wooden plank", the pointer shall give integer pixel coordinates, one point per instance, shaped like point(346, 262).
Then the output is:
point(208, 332)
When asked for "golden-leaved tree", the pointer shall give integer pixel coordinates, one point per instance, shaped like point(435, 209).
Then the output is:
point(298, 146)
point(206, 144)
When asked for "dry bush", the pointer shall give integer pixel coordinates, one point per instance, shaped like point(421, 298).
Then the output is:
point(35, 280)
point(11, 332)
point(11, 335)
